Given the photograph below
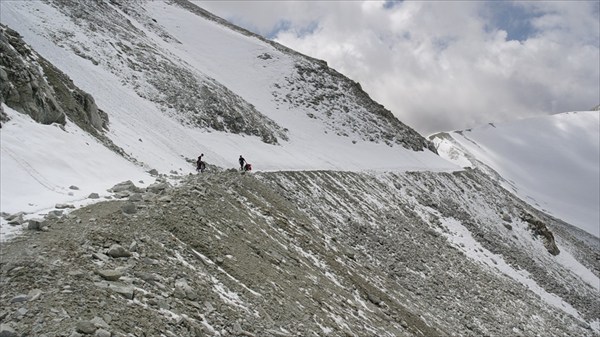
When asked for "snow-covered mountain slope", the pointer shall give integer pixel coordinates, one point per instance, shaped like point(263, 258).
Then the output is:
point(66, 164)
point(552, 162)
point(175, 82)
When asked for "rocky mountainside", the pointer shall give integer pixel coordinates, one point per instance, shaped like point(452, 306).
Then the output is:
point(302, 254)
point(31, 85)
point(325, 94)
point(357, 229)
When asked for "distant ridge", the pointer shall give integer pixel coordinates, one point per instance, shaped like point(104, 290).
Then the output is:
point(550, 161)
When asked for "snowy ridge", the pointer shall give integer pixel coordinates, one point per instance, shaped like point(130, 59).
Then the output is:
point(551, 162)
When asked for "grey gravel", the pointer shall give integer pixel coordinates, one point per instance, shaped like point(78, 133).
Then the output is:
point(300, 251)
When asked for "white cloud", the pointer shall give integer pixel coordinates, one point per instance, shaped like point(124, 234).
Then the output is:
point(445, 65)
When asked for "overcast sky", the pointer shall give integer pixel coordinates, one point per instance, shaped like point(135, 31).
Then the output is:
point(445, 65)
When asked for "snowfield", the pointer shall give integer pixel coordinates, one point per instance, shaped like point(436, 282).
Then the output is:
point(552, 162)
point(46, 165)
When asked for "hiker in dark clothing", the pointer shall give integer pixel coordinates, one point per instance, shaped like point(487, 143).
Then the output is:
point(242, 162)
point(200, 165)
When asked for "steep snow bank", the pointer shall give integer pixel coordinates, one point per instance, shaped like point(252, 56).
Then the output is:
point(45, 165)
point(552, 162)
point(41, 162)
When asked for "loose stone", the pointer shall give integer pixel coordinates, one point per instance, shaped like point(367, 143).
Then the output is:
point(109, 275)
point(34, 294)
point(129, 208)
point(63, 206)
point(19, 298)
point(102, 333)
point(35, 224)
point(7, 331)
point(116, 251)
point(85, 327)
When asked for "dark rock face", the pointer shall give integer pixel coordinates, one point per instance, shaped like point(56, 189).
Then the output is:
point(31, 85)
point(22, 84)
point(539, 228)
point(3, 116)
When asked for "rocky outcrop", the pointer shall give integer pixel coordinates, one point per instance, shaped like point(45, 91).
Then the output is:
point(539, 228)
point(31, 85)
point(348, 110)
point(22, 83)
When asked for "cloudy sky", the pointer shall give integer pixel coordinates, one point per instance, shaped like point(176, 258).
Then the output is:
point(445, 65)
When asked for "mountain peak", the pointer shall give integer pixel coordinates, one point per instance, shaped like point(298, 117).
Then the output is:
point(561, 150)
